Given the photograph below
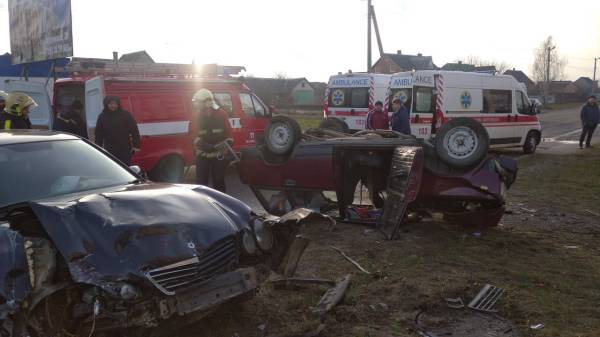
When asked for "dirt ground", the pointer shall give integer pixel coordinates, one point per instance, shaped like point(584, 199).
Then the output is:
point(545, 254)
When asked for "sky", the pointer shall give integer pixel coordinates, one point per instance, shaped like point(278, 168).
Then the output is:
point(318, 38)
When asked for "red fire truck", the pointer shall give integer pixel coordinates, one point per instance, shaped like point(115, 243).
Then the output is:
point(159, 96)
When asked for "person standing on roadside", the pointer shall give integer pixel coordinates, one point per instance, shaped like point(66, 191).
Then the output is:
point(117, 131)
point(400, 118)
point(590, 117)
point(377, 118)
point(212, 130)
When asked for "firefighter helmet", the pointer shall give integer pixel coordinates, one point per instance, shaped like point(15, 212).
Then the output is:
point(204, 98)
point(17, 102)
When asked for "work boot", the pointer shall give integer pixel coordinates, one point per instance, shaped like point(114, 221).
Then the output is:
point(581, 146)
point(588, 146)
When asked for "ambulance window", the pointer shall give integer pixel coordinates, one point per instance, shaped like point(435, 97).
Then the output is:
point(258, 107)
point(247, 106)
point(337, 98)
point(224, 101)
point(497, 101)
point(422, 102)
point(521, 103)
point(359, 98)
point(404, 95)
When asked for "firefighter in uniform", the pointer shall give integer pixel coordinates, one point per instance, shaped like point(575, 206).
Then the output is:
point(213, 130)
point(16, 111)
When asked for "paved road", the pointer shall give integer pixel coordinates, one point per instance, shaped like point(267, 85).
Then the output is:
point(559, 122)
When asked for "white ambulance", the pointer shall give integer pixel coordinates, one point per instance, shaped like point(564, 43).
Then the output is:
point(498, 102)
point(351, 96)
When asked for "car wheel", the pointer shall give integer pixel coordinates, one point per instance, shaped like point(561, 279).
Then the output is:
point(531, 143)
point(334, 124)
point(462, 142)
point(169, 169)
point(282, 134)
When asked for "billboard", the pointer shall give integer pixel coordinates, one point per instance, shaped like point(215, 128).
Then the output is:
point(40, 30)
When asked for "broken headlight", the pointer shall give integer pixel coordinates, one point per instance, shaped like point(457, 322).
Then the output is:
point(263, 233)
point(248, 243)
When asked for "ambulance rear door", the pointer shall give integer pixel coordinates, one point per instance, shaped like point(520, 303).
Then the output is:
point(94, 96)
point(41, 116)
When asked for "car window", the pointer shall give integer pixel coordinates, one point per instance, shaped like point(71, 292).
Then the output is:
point(497, 101)
point(422, 101)
point(224, 101)
point(258, 107)
point(247, 106)
point(69, 166)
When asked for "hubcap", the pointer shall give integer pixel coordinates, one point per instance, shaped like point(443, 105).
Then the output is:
point(280, 136)
point(460, 142)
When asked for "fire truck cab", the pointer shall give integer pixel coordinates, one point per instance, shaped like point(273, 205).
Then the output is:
point(159, 96)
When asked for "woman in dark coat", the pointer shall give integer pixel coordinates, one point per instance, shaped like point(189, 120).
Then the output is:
point(117, 131)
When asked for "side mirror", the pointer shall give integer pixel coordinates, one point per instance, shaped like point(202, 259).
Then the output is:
point(272, 109)
point(135, 169)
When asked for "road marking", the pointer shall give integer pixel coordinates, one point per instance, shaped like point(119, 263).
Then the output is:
point(553, 139)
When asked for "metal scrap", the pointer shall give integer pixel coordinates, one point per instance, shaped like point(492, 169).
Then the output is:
point(286, 281)
point(356, 264)
point(290, 262)
point(486, 298)
point(454, 302)
point(332, 296)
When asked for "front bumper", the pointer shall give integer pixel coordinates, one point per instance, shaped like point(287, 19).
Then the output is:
point(219, 290)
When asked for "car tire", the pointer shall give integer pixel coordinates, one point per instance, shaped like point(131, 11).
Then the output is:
point(462, 142)
point(335, 124)
point(282, 134)
point(531, 142)
point(169, 169)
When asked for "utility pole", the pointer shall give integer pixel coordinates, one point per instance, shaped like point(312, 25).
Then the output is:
point(548, 50)
point(369, 36)
point(594, 86)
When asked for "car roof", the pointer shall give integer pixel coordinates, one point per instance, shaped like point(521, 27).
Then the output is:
point(8, 137)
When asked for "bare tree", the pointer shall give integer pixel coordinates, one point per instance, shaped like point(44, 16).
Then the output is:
point(479, 62)
point(547, 63)
point(280, 75)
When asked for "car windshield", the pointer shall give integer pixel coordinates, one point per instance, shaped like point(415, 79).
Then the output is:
point(38, 170)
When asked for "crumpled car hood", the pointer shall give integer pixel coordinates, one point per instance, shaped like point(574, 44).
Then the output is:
point(114, 236)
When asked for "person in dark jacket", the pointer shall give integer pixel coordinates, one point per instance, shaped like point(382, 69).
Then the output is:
point(212, 130)
point(16, 111)
point(590, 117)
point(69, 120)
point(117, 131)
point(377, 118)
point(400, 118)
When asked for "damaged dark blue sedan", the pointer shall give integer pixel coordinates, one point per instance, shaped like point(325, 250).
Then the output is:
point(87, 245)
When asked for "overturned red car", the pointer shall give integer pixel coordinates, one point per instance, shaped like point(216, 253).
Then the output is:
point(402, 178)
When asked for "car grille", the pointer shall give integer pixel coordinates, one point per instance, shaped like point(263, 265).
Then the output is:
point(217, 259)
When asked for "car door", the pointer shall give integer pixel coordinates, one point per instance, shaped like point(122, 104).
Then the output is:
point(41, 116)
point(501, 123)
point(94, 96)
point(254, 118)
point(421, 114)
